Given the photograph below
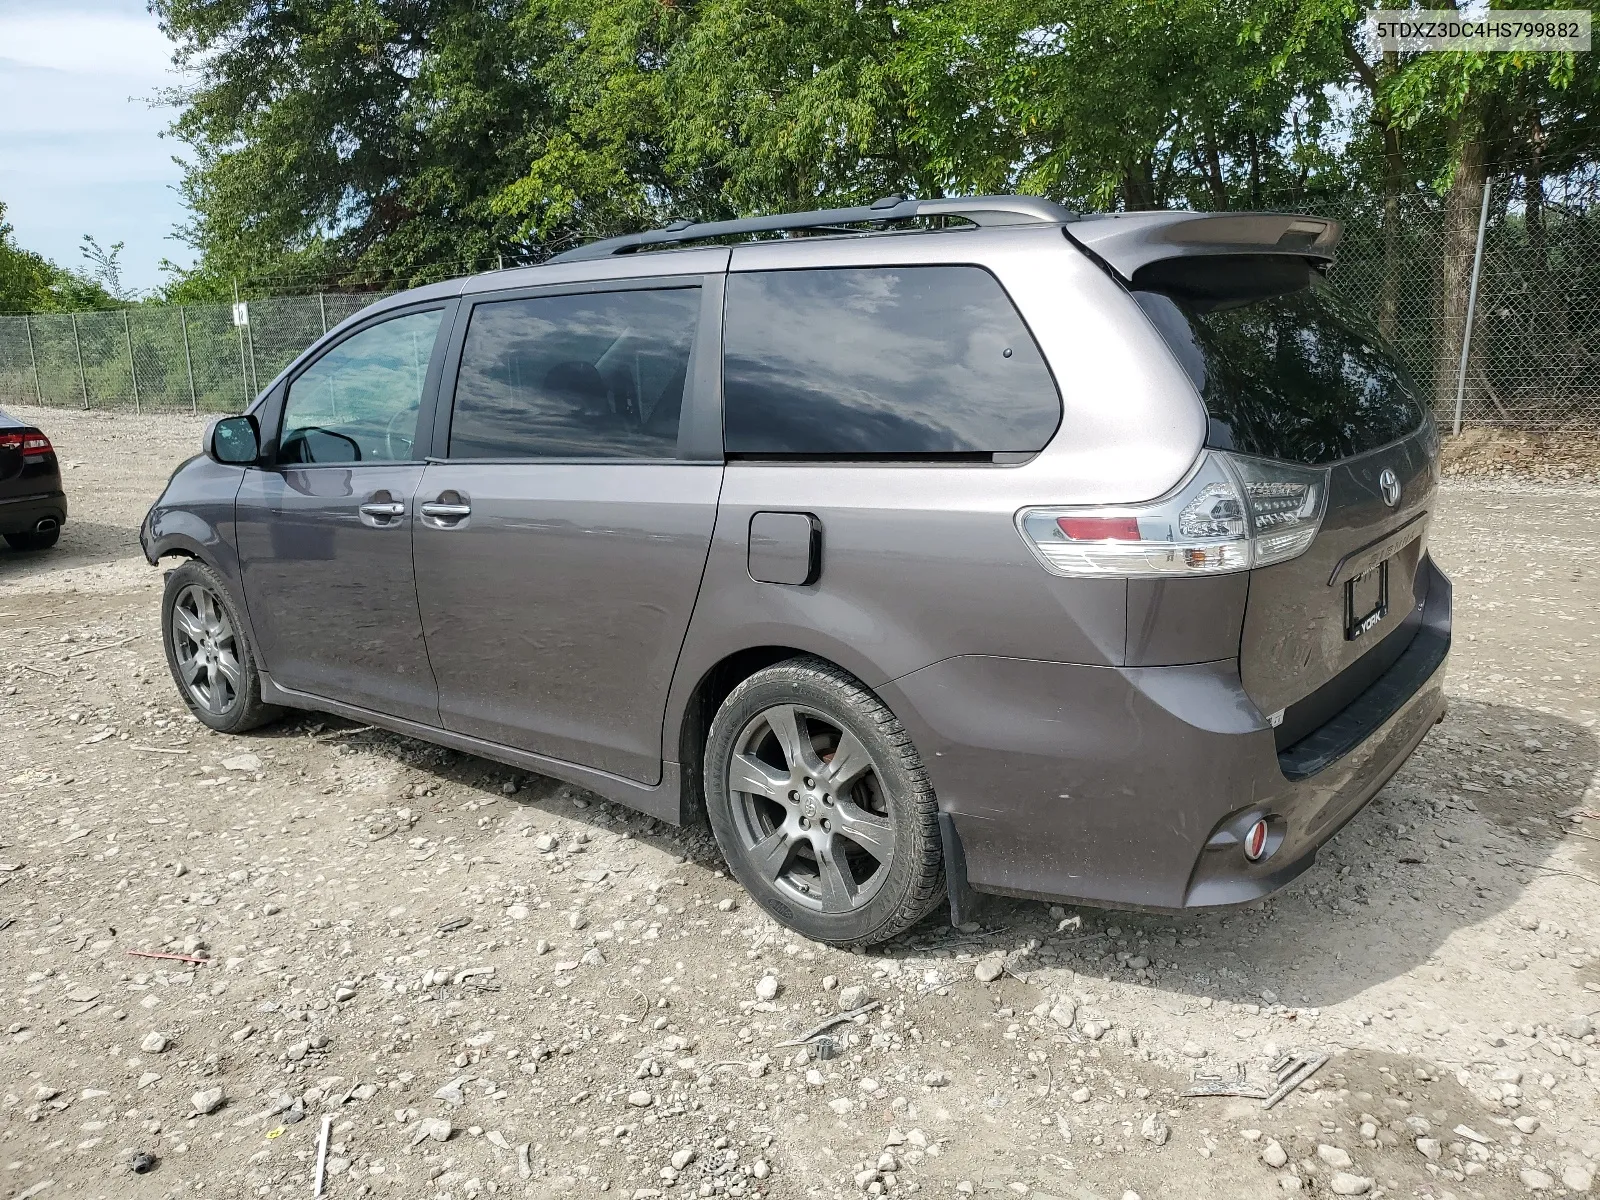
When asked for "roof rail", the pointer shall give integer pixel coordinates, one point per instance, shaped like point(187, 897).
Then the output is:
point(980, 210)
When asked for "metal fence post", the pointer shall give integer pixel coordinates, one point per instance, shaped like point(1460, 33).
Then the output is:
point(77, 346)
point(188, 361)
point(322, 307)
point(27, 328)
point(1472, 303)
point(133, 371)
point(244, 371)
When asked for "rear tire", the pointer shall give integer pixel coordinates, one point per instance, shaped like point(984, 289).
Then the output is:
point(34, 541)
point(835, 830)
point(208, 654)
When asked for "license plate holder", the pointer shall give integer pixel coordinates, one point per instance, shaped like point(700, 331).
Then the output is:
point(1366, 600)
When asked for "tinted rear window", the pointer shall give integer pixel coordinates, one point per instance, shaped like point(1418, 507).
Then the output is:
point(1287, 368)
point(597, 375)
point(883, 361)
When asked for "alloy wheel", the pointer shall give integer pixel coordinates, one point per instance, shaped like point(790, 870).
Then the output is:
point(809, 809)
point(207, 649)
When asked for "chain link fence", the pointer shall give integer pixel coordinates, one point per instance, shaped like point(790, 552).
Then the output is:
point(1532, 346)
point(162, 358)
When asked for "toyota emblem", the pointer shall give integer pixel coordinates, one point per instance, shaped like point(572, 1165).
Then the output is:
point(1389, 485)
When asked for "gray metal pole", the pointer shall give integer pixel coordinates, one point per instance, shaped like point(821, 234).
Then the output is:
point(77, 345)
point(188, 360)
point(244, 371)
point(250, 337)
point(1472, 303)
point(322, 307)
point(33, 357)
point(133, 371)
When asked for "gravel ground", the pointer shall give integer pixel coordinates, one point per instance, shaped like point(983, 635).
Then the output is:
point(485, 983)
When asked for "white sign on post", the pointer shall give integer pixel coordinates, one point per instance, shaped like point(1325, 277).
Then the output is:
point(241, 314)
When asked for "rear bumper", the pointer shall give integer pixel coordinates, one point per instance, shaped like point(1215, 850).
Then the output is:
point(1120, 786)
point(22, 514)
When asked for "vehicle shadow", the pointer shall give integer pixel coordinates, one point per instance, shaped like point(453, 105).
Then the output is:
point(1451, 842)
point(82, 544)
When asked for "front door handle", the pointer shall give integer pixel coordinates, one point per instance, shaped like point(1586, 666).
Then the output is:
point(446, 510)
point(382, 511)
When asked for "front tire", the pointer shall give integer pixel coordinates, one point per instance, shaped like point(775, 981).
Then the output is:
point(208, 654)
point(821, 805)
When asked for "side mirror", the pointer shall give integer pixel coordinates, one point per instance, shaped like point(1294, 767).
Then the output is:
point(234, 441)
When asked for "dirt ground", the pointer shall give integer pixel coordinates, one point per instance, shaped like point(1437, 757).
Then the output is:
point(489, 984)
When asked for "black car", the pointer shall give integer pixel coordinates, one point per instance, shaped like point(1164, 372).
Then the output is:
point(32, 505)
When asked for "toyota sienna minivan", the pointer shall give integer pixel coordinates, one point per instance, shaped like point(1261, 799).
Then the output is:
point(926, 548)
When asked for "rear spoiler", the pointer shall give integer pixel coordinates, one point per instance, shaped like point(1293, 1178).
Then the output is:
point(1128, 241)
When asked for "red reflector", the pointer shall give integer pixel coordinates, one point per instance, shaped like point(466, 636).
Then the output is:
point(1100, 529)
point(1255, 841)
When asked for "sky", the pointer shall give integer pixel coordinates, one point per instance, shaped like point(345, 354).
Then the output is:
point(81, 149)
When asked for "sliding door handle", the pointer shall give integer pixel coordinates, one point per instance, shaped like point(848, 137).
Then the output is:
point(455, 511)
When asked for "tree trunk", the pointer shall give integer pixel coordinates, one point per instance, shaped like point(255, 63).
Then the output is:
point(1138, 185)
point(1462, 204)
point(1218, 185)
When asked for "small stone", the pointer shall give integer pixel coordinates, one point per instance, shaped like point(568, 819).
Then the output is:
point(1577, 1179)
point(437, 1129)
point(1081, 1096)
point(1250, 1135)
point(640, 1099)
point(1064, 1013)
point(842, 1106)
point(1578, 1026)
point(1345, 1184)
point(852, 997)
point(767, 987)
point(242, 762)
point(545, 843)
point(988, 970)
point(1535, 1181)
point(888, 1162)
point(508, 788)
point(682, 1158)
point(1273, 1154)
point(81, 994)
point(1429, 1148)
point(936, 1079)
point(760, 1169)
point(154, 1043)
point(727, 904)
point(576, 920)
point(1193, 1050)
point(1526, 1124)
point(207, 1101)
point(1335, 1157)
point(829, 982)
point(270, 910)
point(344, 992)
point(1154, 1130)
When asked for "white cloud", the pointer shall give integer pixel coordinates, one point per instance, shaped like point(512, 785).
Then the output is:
point(81, 149)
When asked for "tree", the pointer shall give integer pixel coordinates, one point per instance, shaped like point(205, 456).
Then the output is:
point(29, 282)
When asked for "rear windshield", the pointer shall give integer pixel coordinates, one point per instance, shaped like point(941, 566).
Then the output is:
point(1286, 368)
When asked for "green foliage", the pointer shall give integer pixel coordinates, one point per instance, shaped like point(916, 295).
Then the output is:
point(347, 143)
point(30, 282)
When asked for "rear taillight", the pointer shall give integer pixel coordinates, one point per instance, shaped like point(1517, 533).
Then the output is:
point(1231, 514)
point(30, 442)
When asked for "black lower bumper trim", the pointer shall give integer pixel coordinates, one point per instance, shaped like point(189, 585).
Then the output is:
point(1388, 694)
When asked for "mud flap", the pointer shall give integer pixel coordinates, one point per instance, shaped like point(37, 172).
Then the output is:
point(963, 900)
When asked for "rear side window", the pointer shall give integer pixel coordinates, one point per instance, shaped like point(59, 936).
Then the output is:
point(1287, 369)
point(598, 375)
point(882, 361)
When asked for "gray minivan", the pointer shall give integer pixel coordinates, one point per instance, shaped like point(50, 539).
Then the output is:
point(926, 548)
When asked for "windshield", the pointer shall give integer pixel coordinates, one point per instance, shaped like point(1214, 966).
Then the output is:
point(1287, 369)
